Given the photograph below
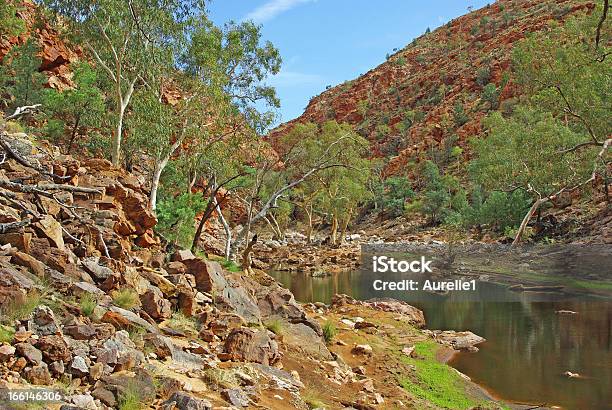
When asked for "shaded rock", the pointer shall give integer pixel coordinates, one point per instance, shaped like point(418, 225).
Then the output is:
point(184, 401)
point(161, 345)
point(43, 321)
point(186, 302)
point(133, 319)
point(154, 303)
point(252, 346)
point(235, 397)
point(18, 240)
point(38, 375)
point(54, 348)
point(365, 350)
point(6, 352)
point(305, 339)
point(176, 268)
point(167, 386)
point(30, 353)
point(105, 396)
point(80, 331)
point(35, 266)
point(79, 367)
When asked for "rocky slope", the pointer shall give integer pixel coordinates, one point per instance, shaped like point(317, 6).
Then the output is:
point(406, 106)
point(94, 308)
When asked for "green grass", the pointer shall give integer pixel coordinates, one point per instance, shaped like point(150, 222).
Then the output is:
point(275, 326)
point(313, 402)
point(329, 332)
point(15, 310)
point(126, 298)
point(130, 399)
point(6, 334)
point(182, 323)
point(88, 304)
point(436, 382)
point(231, 265)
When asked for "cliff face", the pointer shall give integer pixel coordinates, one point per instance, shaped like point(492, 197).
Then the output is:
point(55, 54)
point(406, 106)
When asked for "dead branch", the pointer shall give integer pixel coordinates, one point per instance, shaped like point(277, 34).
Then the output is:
point(21, 111)
point(12, 226)
point(9, 151)
point(604, 15)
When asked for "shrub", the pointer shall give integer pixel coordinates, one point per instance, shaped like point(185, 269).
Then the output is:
point(126, 298)
point(231, 266)
point(177, 216)
point(483, 76)
point(130, 399)
point(459, 114)
point(436, 198)
point(329, 332)
point(490, 94)
point(396, 190)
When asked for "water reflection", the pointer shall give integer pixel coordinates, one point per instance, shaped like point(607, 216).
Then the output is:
point(529, 346)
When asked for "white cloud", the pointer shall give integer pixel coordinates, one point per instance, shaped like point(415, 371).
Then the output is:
point(273, 8)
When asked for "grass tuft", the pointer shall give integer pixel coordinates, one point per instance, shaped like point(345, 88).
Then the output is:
point(19, 310)
point(275, 326)
point(88, 304)
point(6, 334)
point(182, 323)
point(126, 298)
point(130, 399)
point(231, 265)
point(329, 332)
point(313, 402)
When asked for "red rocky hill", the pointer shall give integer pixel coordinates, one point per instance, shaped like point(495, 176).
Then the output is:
point(406, 105)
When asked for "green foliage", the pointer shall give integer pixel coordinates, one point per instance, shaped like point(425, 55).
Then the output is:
point(483, 76)
point(459, 114)
point(499, 211)
point(176, 217)
point(77, 111)
point(329, 332)
point(230, 265)
point(436, 197)
point(20, 77)
point(126, 298)
point(396, 191)
point(10, 24)
point(19, 309)
point(490, 94)
point(130, 398)
point(6, 334)
point(524, 151)
point(275, 326)
point(88, 304)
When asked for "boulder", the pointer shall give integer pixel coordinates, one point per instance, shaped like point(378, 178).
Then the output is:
point(78, 367)
point(54, 348)
point(52, 230)
point(80, 331)
point(43, 322)
point(250, 345)
point(131, 318)
point(162, 346)
point(154, 303)
point(457, 340)
point(38, 375)
point(98, 272)
point(18, 240)
point(6, 352)
point(30, 353)
point(184, 401)
point(236, 397)
point(34, 265)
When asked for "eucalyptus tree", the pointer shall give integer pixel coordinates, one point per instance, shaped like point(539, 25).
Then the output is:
point(559, 140)
point(132, 42)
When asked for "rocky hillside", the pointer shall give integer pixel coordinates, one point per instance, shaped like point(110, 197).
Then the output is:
point(95, 308)
point(408, 105)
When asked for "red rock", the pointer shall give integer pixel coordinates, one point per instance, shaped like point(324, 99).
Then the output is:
point(39, 375)
point(115, 319)
point(250, 345)
point(35, 266)
point(54, 348)
point(154, 303)
point(20, 241)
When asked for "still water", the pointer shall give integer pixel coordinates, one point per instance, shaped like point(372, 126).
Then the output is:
point(528, 347)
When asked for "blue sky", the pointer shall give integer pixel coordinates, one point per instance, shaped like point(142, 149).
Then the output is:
point(326, 42)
